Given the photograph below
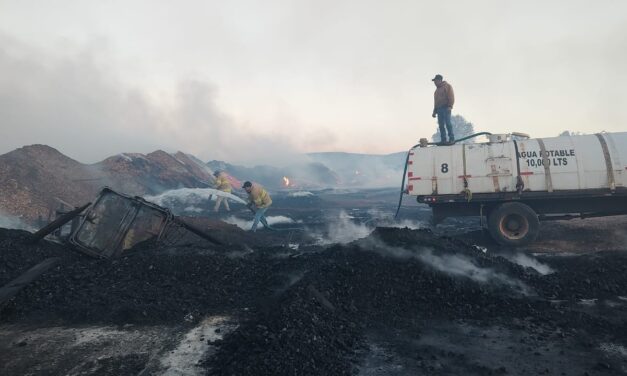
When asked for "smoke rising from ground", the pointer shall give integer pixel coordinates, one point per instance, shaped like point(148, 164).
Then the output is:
point(529, 262)
point(386, 219)
point(345, 228)
point(8, 221)
point(453, 264)
point(620, 236)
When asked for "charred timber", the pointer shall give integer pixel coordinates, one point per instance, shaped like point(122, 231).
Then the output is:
point(9, 290)
point(63, 219)
point(196, 230)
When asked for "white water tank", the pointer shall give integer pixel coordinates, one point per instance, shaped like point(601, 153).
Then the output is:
point(566, 163)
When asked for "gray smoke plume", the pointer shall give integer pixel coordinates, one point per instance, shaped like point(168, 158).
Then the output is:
point(453, 264)
point(8, 221)
point(343, 230)
point(77, 103)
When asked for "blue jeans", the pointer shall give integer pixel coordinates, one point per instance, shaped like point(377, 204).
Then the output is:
point(260, 215)
point(444, 118)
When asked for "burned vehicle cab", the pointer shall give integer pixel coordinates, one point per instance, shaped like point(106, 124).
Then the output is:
point(116, 222)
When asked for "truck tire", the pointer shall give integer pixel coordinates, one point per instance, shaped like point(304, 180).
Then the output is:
point(513, 224)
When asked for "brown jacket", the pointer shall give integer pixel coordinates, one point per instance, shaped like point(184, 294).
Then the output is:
point(443, 96)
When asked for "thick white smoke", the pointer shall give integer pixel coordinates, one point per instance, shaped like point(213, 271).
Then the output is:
point(343, 230)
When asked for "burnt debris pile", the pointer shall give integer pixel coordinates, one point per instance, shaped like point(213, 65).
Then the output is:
point(310, 311)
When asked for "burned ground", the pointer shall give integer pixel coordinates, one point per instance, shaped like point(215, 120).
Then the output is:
point(397, 302)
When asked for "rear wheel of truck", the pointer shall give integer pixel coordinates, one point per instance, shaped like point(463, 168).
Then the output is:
point(513, 224)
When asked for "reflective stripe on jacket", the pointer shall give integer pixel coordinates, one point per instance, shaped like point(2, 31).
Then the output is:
point(259, 197)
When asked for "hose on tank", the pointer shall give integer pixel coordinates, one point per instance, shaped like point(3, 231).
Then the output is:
point(400, 199)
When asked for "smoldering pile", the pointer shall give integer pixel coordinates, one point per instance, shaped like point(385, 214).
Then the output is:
point(308, 311)
point(149, 285)
point(317, 326)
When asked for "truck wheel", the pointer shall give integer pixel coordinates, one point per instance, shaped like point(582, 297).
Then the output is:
point(513, 224)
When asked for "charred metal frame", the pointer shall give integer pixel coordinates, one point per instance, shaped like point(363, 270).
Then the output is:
point(111, 237)
point(115, 245)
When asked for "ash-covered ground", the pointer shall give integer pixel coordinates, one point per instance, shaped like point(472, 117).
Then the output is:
point(339, 288)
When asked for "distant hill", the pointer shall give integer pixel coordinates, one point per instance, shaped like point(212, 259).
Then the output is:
point(35, 180)
point(364, 170)
point(325, 170)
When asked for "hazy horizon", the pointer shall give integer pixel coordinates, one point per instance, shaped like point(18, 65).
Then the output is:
point(263, 82)
point(244, 163)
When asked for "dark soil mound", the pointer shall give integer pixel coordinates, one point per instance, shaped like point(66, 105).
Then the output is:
point(386, 282)
point(589, 276)
point(147, 286)
point(17, 254)
point(294, 336)
point(309, 312)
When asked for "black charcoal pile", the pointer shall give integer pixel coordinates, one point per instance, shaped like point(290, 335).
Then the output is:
point(309, 311)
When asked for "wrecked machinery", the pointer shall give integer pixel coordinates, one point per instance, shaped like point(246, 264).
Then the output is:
point(115, 223)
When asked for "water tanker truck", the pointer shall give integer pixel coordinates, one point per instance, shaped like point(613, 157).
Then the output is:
point(513, 182)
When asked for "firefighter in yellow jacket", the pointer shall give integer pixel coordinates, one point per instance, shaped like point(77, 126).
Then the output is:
point(259, 200)
point(222, 184)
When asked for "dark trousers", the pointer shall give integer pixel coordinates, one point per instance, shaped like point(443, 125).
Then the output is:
point(444, 118)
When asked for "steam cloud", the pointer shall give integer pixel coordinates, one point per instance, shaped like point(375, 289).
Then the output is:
point(452, 264)
point(529, 262)
point(344, 229)
point(8, 221)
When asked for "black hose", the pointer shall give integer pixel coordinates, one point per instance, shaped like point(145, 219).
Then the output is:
point(400, 199)
point(469, 137)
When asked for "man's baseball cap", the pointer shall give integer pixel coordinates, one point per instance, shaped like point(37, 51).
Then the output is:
point(247, 184)
point(437, 77)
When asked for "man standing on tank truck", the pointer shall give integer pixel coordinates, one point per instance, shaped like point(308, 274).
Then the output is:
point(443, 99)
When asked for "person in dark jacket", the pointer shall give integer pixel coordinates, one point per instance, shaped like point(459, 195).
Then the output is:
point(443, 101)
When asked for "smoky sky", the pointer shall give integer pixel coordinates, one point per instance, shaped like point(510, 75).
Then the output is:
point(251, 81)
point(79, 106)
